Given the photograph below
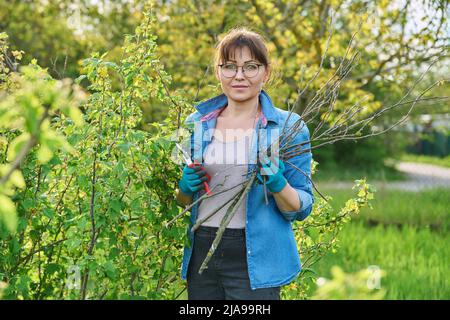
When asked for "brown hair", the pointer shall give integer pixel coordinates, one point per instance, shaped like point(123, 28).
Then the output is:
point(238, 38)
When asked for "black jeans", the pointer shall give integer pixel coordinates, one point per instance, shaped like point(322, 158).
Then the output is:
point(226, 277)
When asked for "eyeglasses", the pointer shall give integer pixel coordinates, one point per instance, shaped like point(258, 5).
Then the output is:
point(250, 70)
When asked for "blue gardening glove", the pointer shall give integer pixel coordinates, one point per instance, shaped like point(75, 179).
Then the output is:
point(273, 173)
point(192, 179)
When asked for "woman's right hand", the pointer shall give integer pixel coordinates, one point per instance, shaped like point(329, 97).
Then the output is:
point(192, 179)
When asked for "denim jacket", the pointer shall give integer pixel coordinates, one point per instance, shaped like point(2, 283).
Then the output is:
point(272, 255)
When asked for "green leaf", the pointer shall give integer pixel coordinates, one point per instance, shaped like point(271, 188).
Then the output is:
point(34, 235)
point(310, 270)
point(76, 115)
point(110, 270)
point(49, 213)
point(16, 179)
point(115, 205)
point(169, 264)
point(27, 204)
point(44, 154)
point(114, 253)
point(55, 160)
point(54, 140)
point(80, 78)
point(124, 147)
point(130, 77)
point(8, 213)
point(83, 181)
point(14, 246)
point(110, 64)
point(23, 284)
point(52, 268)
point(16, 145)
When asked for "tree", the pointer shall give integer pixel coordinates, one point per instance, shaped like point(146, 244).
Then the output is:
point(394, 53)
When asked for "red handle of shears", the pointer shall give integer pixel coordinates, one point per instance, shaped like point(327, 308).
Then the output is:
point(205, 184)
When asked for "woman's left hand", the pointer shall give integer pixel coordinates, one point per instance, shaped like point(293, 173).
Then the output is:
point(273, 173)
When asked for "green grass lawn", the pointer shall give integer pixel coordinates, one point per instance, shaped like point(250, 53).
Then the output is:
point(428, 208)
point(443, 162)
point(329, 174)
point(332, 173)
point(406, 235)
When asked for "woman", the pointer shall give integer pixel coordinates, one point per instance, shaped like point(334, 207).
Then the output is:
point(258, 252)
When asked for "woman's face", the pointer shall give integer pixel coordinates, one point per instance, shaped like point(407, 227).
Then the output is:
point(252, 86)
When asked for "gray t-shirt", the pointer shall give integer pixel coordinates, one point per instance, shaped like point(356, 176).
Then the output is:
point(226, 163)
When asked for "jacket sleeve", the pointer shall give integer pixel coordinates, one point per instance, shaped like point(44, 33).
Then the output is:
point(297, 179)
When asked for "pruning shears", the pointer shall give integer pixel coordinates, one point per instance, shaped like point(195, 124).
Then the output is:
point(191, 164)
